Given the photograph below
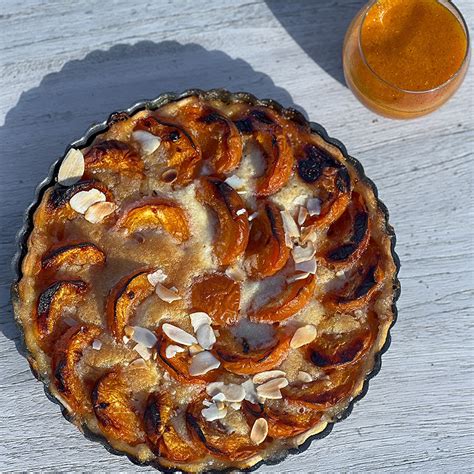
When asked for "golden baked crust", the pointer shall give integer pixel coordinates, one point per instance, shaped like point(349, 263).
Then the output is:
point(233, 221)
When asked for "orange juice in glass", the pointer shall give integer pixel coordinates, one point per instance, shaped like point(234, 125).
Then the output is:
point(405, 58)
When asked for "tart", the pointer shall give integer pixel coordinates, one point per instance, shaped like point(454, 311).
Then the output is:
point(207, 281)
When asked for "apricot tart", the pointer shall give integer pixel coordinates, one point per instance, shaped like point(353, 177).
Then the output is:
point(206, 281)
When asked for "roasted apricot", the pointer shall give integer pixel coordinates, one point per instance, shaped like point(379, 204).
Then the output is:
point(215, 438)
point(162, 437)
point(217, 295)
point(80, 254)
point(238, 357)
point(68, 352)
point(111, 400)
point(233, 224)
point(113, 155)
point(284, 420)
point(294, 297)
point(268, 131)
point(266, 252)
point(155, 213)
point(183, 155)
point(52, 302)
point(124, 298)
point(217, 136)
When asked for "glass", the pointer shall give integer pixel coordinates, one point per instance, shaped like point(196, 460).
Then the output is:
point(382, 94)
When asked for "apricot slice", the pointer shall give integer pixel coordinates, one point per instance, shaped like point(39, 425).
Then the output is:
point(155, 213)
point(237, 357)
point(233, 224)
point(293, 298)
point(284, 420)
point(217, 295)
point(111, 400)
point(68, 353)
point(162, 437)
point(183, 155)
point(113, 155)
point(217, 136)
point(51, 304)
point(124, 298)
point(81, 254)
point(266, 251)
point(348, 236)
point(215, 438)
point(268, 131)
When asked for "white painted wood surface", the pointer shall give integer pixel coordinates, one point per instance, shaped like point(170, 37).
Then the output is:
point(66, 64)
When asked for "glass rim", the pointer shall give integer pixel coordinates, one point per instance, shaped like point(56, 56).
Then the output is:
point(460, 19)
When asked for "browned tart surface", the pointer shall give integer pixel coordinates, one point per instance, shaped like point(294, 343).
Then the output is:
point(207, 284)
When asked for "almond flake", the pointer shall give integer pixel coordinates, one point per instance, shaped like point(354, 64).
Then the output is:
point(236, 273)
point(202, 363)
point(99, 211)
point(195, 349)
point(220, 405)
point(271, 389)
point(144, 336)
point(296, 277)
point(142, 351)
point(206, 403)
point(309, 234)
point(308, 266)
point(158, 276)
point(148, 142)
point(304, 377)
point(236, 405)
point(218, 397)
point(167, 294)
point(259, 431)
point(232, 393)
point(72, 168)
point(125, 339)
point(82, 200)
point(240, 212)
point(96, 345)
point(250, 393)
point(302, 336)
point(139, 363)
point(234, 182)
point(253, 216)
point(291, 229)
point(213, 413)
point(303, 254)
point(263, 377)
point(199, 318)
point(299, 200)
point(205, 336)
point(314, 206)
point(302, 215)
point(177, 334)
point(172, 350)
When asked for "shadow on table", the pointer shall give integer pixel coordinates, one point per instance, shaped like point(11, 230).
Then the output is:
point(58, 111)
point(319, 28)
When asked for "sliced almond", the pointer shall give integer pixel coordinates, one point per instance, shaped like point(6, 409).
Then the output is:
point(304, 377)
point(291, 229)
point(199, 318)
point(72, 168)
point(250, 393)
point(309, 234)
point(144, 336)
point(302, 336)
point(213, 413)
point(158, 276)
point(167, 294)
point(142, 351)
point(205, 336)
point(125, 339)
point(207, 403)
point(232, 393)
point(218, 397)
point(303, 254)
point(82, 200)
point(314, 206)
point(138, 363)
point(271, 389)
point(234, 182)
point(259, 431)
point(202, 363)
point(96, 345)
point(302, 215)
point(172, 350)
point(240, 212)
point(148, 142)
point(195, 349)
point(299, 200)
point(236, 273)
point(253, 216)
point(308, 266)
point(296, 277)
point(178, 335)
point(236, 405)
point(263, 377)
point(99, 211)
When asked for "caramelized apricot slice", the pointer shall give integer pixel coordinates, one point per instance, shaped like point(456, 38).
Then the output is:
point(286, 419)
point(124, 298)
point(111, 400)
point(68, 353)
point(215, 438)
point(238, 357)
point(51, 304)
point(268, 131)
point(233, 225)
point(217, 295)
point(348, 236)
point(162, 437)
point(217, 136)
point(113, 155)
point(183, 155)
point(266, 251)
point(293, 298)
point(81, 254)
point(156, 213)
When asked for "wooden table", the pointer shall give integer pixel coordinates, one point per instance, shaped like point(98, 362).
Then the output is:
point(66, 64)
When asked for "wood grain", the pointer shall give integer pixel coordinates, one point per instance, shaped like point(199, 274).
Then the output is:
point(66, 64)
